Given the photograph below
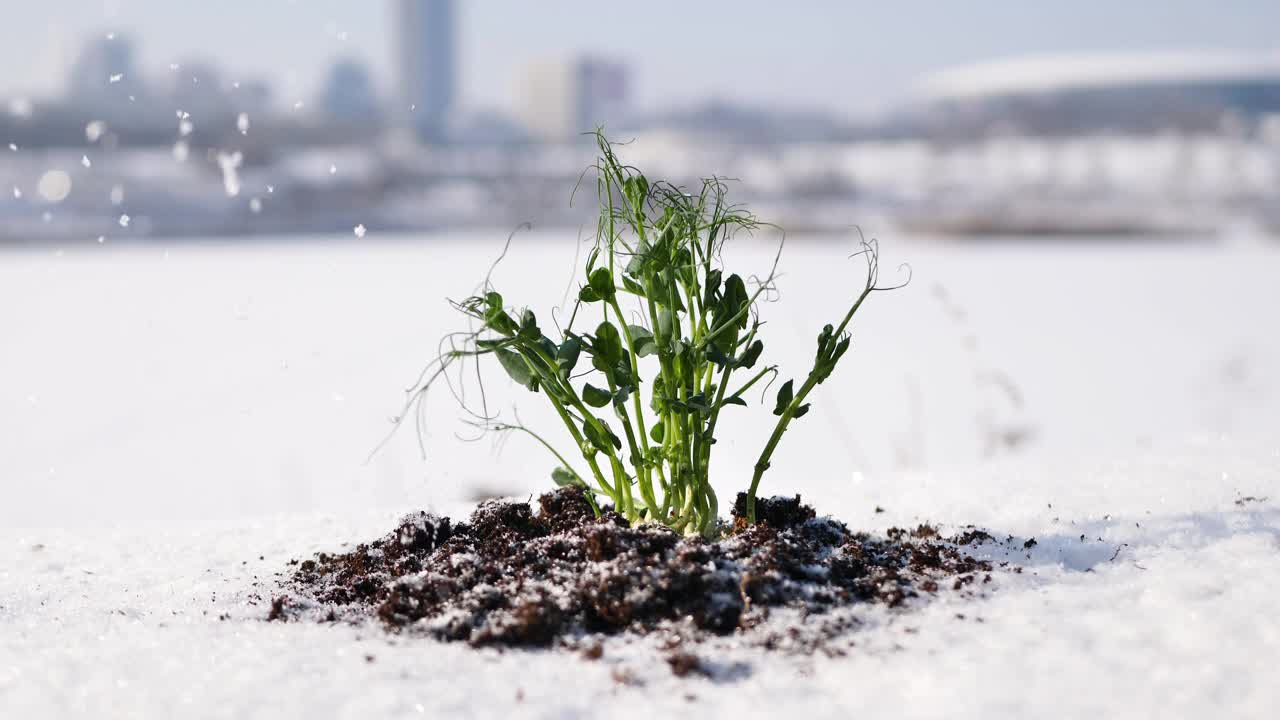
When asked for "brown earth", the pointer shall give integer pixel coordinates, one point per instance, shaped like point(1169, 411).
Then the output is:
point(513, 576)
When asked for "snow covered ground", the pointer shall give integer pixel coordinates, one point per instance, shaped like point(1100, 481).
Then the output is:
point(177, 422)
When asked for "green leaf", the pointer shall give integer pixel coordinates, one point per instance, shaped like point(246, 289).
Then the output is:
point(564, 477)
point(636, 188)
point(712, 294)
point(717, 356)
point(601, 281)
point(657, 432)
point(734, 400)
point(633, 287)
point(801, 411)
point(567, 356)
point(666, 325)
point(548, 348)
point(635, 266)
point(606, 348)
point(750, 355)
point(594, 396)
point(643, 340)
point(517, 368)
point(698, 403)
point(529, 325)
point(784, 398)
point(624, 392)
point(588, 295)
point(600, 439)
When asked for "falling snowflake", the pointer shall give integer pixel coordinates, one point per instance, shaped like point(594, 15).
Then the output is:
point(360, 231)
point(102, 239)
point(242, 123)
point(47, 217)
point(17, 193)
point(333, 169)
point(13, 147)
point(181, 150)
point(255, 205)
point(117, 195)
point(230, 164)
point(173, 66)
point(297, 105)
point(271, 189)
point(115, 78)
point(95, 130)
point(185, 128)
point(85, 161)
point(124, 221)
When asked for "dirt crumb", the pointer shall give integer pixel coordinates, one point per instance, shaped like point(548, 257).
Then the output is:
point(684, 664)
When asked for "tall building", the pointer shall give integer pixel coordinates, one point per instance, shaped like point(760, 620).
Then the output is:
point(427, 63)
point(348, 93)
point(103, 69)
point(560, 100)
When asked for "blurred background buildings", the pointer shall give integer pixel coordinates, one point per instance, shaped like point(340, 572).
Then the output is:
point(1153, 144)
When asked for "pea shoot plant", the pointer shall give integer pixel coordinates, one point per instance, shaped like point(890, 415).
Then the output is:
point(640, 393)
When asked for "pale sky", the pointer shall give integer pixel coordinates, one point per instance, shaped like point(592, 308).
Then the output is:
point(844, 54)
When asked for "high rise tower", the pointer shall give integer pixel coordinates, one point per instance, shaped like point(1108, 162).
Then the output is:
point(427, 63)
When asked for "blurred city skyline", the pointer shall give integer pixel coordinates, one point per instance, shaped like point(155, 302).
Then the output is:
point(854, 58)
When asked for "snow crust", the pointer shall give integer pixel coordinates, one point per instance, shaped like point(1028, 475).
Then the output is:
point(174, 428)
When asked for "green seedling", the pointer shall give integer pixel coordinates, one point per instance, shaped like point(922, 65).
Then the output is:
point(640, 393)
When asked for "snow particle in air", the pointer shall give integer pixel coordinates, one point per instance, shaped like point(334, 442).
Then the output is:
point(94, 131)
point(360, 231)
point(54, 186)
point(242, 123)
point(124, 221)
point(230, 165)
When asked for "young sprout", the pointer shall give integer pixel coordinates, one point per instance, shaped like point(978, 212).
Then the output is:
point(641, 400)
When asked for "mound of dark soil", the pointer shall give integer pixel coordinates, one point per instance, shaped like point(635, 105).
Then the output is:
point(513, 576)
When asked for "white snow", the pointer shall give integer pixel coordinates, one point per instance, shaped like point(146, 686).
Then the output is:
point(186, 444)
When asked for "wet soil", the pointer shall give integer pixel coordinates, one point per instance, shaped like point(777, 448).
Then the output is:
point(513, 575)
